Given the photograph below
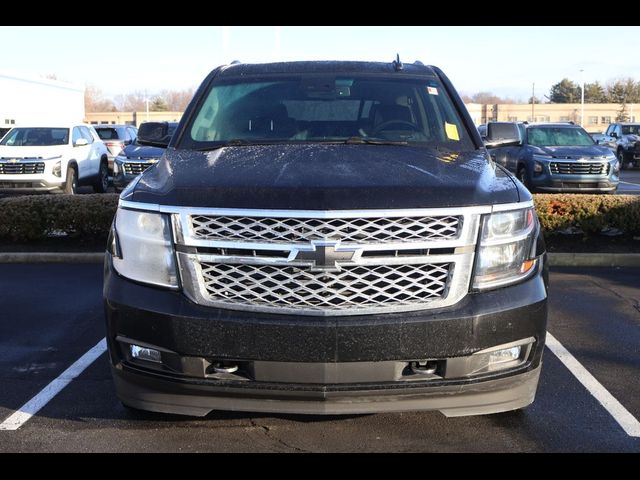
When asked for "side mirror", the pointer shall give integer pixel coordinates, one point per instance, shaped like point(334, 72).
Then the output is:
point(502, 134)
point(81, 142)
point(597, 142)
point(614, 134)
point(155, 134)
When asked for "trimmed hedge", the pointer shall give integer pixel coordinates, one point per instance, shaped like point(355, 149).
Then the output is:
point(88, 217)
point(37, 217)
point(589, 213)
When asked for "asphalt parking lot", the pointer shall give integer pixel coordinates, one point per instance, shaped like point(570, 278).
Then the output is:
point(52, 315)
point(629, 182)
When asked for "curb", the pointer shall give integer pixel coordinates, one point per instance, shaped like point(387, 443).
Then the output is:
point(554, 259)
point(594, 259)
point(54, 257)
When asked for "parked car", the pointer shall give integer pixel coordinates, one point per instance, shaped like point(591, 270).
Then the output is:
point(136, 158)
point(624, 140)
point(116, 138)
point(554, 157)
point(326, 238)
point(52, 159)
point(482, 130)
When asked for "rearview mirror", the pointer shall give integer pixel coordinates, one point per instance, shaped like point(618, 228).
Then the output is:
point(81, 142)
point(502, 134)
point(155, 134)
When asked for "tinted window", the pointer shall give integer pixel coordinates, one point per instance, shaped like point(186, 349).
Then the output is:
point(36, 137)
point(328, 109)
point(77, 135)
point(558, 137)
point(108, 133)
point(86, 134)
point(631, 129)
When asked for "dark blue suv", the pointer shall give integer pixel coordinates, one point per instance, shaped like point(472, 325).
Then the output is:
point(554, 157)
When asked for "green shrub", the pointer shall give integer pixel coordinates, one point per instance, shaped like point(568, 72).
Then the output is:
point(89, 217)
point(589, 213)
point(37, 217)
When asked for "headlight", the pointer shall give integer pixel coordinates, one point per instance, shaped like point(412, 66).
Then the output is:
point(57, 169)
point(143, 250)
point(507, 250)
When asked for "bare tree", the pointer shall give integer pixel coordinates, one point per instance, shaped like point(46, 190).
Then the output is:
point(177, 100)
point(131, 102)
point(94, 100)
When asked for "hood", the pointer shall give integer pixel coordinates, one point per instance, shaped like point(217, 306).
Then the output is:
point(572, 152)
point(32, 152)
point(324, 177)
point(143, 151)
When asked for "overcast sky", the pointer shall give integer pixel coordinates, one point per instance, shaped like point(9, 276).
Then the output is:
point(503, 60)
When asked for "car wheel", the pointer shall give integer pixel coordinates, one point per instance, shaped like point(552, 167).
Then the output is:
point(621, 159)
point(102, 184)
point(522, 176)
point(71, 183)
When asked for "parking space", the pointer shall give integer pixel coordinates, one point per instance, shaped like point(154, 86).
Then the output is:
point(594, 313)
point(629, 182)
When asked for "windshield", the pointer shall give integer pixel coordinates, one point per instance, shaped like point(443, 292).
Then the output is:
point(558, 137)
point(631, 129)
point(36, 137)
point(318, 108)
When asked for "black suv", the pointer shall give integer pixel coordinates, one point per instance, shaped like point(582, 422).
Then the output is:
point(325, 237)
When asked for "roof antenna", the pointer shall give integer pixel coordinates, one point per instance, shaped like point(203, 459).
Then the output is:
point(397, 64)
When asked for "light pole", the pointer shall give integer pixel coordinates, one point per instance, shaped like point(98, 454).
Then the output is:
point(582, 99)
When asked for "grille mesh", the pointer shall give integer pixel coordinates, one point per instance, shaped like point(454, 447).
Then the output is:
point(579, 168)
point(135, 168)
point(21, 168)
point(360, 230)
point(351, 288)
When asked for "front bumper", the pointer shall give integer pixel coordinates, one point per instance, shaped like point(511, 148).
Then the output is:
point(313, 349)
point(576, 183)
point(30, 183)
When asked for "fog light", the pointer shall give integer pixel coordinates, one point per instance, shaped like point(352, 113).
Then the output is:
point(537, 167)
point(501, 357)
point(144, 353)
point(504, 356)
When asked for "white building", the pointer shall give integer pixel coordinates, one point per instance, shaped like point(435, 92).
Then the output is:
point(39, 101)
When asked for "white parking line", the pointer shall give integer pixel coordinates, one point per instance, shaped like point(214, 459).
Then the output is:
point(29, 409)
point(629, 183)
point(620, 414)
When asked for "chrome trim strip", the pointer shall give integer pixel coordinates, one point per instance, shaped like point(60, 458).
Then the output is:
point(502, 207)
point(320, 214)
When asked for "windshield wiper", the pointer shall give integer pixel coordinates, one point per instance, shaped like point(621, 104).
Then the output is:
point(234, 142)
point(373, 141)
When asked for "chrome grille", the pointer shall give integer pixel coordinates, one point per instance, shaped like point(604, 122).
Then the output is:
point(21, 168)
point(135, 168)
point(351, 288)
point(295, 230)
point(579, 168)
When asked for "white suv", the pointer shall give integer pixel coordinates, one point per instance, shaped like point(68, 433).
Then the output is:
point(61, 158)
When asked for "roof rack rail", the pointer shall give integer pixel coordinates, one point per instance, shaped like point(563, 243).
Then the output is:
point(418, 62)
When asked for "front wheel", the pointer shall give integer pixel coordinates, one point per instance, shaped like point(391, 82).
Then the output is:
point(102, 183)
point(522, 176)
point(621, 159)
point(71, 183)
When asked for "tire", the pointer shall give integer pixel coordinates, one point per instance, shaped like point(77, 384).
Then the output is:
point(522, 176)
point(102, 183)
point(71, 183)
point(621, 158)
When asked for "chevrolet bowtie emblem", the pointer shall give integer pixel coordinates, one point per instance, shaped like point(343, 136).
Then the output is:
point(324, 256)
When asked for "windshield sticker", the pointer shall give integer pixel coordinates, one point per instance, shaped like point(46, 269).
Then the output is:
point(432, 90)
point(452, 131)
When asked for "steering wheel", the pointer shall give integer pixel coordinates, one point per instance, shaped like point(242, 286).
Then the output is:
point(385, 125)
